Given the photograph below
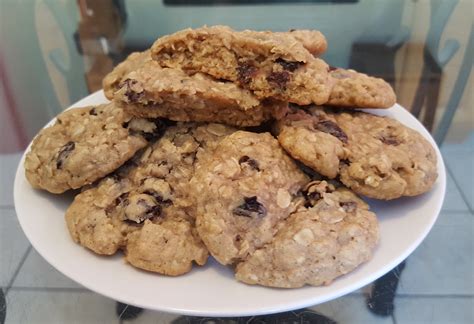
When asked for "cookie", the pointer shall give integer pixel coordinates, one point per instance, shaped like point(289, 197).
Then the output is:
point(309, 142)
point(331, 233)
point(112, 80)
point(313, 40)
point(144, 208)
point(168, 247)
point(275, 65)
point(374, 156)
point(89, 218)
point(152, 91)
point(84, 145)
point(242, 190)
point(354, 89)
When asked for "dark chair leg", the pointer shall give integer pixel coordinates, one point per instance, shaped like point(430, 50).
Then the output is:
point(380, 300)
point(3, 307)
point(433, 90)
point(420, 94)
point(374, 59)
point(127, 312)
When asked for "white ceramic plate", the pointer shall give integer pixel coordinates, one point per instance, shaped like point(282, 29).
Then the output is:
point(211, 290)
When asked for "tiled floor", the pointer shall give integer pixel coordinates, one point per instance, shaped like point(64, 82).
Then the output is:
point(437, 285)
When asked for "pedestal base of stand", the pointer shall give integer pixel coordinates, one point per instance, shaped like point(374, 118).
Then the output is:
point(381, 298)
point(127, 312)
point(299, 316)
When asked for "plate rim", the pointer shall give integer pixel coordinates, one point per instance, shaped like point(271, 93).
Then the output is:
point(276, 307)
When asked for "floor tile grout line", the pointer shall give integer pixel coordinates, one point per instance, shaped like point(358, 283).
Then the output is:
point(463, 196)
point(456, 211)
point(20, 265)
point(50, 289)
point(434, 296)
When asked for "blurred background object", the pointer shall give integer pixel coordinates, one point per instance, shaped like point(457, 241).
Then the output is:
point(64, 48)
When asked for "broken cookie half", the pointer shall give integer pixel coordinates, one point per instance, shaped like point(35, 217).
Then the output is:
point(153, 91)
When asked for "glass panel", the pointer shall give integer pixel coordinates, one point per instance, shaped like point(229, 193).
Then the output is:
point(55, 52)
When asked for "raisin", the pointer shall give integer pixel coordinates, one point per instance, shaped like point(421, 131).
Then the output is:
point(332, 68)
point(250, 208)
point(345, 162)
point(246, 71)
point(157, 131)
point(158, 197)
point(151, 211)
point(332, 128)
point(122, 200)
point(289, 65)
point(64, 153)
point(313, 195)
point(389, 140)
point(131, 95)
point(154, 211)
point(253, 164)
point(311, 198)
point(150, 136)
point(280, 79)
point(109, 209)
point(166, 202)
point(348, 206)
point(93, 112)
point(154, 194)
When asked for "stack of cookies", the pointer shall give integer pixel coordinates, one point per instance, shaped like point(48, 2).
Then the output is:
point(242, 145)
